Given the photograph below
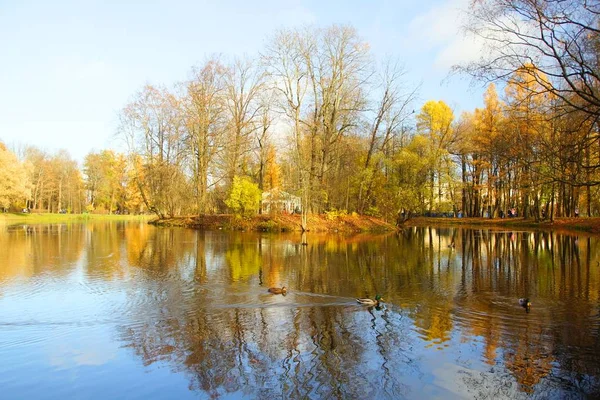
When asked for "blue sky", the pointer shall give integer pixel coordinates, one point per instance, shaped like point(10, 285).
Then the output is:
point(68, 67)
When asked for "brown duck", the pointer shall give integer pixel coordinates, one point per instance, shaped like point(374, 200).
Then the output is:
point(276, 290)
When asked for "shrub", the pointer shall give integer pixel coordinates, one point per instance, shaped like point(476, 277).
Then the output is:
point(334, 214)
point(244, 196)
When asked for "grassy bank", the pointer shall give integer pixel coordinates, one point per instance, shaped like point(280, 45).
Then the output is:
point(58, 218)
point(591, 225)
point(279, 223)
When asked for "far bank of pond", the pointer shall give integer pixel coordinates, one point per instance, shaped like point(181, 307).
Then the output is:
point(33, 218)
point(591, 225)
point(279, 223)
point(362, 223)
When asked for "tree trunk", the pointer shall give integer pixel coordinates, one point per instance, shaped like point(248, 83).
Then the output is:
point(463, 165)
point(59, 195)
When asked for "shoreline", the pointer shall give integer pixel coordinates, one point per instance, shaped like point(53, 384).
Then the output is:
point(316, 223)
point(278, 223)
point(568, 224)
point(35, 218)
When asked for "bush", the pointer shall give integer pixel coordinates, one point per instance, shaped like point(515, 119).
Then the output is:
point(334, 214)
point(244, 196)
point(268, 226)
point(373, 212)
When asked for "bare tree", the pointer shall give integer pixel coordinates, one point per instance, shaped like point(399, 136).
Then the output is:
point(342, 68)
point(390, 111)
point(204, 107)
point(263, 134)
point(560, 38)
point(289, 77)
point(153, 128)
point(320, 75)
point(244, 83)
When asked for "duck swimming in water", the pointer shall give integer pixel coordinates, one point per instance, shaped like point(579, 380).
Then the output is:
point(370, 302)
point(525, 303)
point(276, 290)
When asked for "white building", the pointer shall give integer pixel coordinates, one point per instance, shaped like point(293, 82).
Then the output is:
point(279, 201)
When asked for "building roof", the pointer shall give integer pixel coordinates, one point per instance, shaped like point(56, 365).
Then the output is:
point(279, 195)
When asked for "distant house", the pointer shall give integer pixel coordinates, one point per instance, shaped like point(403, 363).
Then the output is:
point(279, 201)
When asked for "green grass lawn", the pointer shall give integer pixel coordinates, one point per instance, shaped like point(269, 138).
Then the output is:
point(55, 217)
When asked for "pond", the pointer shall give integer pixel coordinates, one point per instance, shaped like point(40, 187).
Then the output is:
point(127, 310)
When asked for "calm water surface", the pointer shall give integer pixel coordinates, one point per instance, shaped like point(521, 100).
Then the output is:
point(126, 310)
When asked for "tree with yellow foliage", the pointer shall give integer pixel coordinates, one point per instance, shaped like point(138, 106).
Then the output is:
point(527, 123)
point(560, 37)
point(435, 121)
point(106, 179)
point(414, 170)
point(15, 186)
point(244, 196)
point(154, 128)
point(272, 176)
point(487, 143)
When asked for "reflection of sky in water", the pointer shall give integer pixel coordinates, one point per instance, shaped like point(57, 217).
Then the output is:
point(95, 348)
point(127, 310)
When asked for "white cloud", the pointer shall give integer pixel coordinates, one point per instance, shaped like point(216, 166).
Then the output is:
point(438, 29)
point(438, 23)
point(460, 49)
point(78, 353)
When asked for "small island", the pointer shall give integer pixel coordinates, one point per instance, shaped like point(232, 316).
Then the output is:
point(280, 223)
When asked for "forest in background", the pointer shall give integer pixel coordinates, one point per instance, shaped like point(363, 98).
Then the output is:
point(317, 116)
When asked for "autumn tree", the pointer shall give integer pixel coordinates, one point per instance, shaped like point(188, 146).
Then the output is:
point(288, 72)
point(466, 155)
point(490, 145)
point(153, 128)
point(15, 186)
point(484, 156)
point(272, 171)
point(204, 111)
point(319, 75)
point(268, 174)
point(561, 38)
point(131, 197)
point(72, 187)
point(39, 173)
point(390, 110)
point(244, 82)
point(106, 175)
point(340, 67)
point(435, 121)
point(244, 196)
point(57, 182)
point(412, 174)
point(527, 126)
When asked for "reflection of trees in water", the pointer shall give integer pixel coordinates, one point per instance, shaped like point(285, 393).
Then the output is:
point(476, 284)
point(262, 348)
point(29, 250)
point(500, 267)
point(292, 352)
point(243, 259)
point(104, 248)
point(164, 249)
point(528, 357)
point(231, 342)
